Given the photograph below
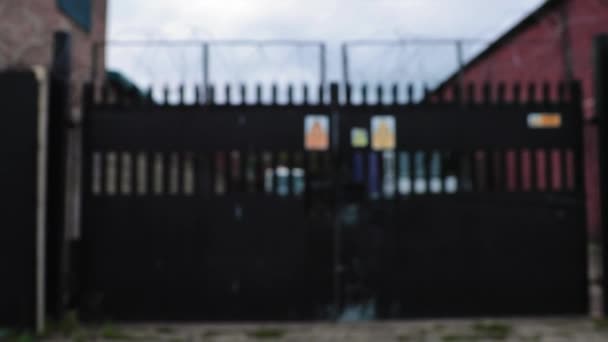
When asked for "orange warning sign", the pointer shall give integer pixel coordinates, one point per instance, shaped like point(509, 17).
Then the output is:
point(544, 120)
point(383, 133)
point(316, 133)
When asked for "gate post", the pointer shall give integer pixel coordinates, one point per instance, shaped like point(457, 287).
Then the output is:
point(335, 151)
point(600, 55)
point(58, 116)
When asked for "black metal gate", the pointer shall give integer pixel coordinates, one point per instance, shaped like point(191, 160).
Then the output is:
point(217, 211)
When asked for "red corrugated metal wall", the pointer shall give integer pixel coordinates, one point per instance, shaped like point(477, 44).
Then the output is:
point(537, 54)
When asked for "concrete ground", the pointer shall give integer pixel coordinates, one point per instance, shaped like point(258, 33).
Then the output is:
point(558, 329)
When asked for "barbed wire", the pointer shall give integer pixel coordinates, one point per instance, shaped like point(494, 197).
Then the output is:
point(407, 58)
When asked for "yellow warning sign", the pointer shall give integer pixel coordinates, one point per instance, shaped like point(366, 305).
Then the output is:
point(544, 120)
point(358, 137)
point(316, 132)
point(383, 133)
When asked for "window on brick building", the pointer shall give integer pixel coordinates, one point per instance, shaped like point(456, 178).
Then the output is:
point(77, 10)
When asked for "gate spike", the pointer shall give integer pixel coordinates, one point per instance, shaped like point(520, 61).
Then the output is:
point(364, 94)
point(395, 94)
point(166, 95)
point(197, 95)
point(379, 94)
point(258, 94)
point(180, 89)
point(439, 95)
point(575, 93)
point(471, 97)
point(427, 93)
point(321, 94)
point(487, 93)
point(228, 90)
point(410, 93)
point(290, 94)
point(457, 93)
point(275, 94)
point(334, 94)
point(500, 93)
point(211, 95)
point(348, 89)
point(243, 89)
point(517, 93)
point(531, 93)
point(305, 93)
point(561, 92)
point(546, 92)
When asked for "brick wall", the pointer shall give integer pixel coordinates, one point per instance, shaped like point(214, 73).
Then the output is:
point(537, 55)
point(26, 36)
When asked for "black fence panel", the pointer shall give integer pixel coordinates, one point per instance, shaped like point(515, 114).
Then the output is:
point(217, 232)
point(600, 56)
point(476, 211)
point(448, 208)
point(19, 180)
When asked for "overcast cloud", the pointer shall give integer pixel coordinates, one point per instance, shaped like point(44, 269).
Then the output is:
point(324, 20)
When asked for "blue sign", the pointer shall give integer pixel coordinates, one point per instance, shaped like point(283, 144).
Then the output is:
point(79, 11)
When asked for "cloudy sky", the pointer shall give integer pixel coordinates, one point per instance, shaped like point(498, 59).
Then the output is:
point(330, 21)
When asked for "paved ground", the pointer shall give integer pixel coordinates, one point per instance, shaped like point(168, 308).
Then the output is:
point(584, 330)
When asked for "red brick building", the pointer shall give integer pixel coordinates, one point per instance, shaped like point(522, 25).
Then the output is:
point(553, 44)
point(27, 28)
